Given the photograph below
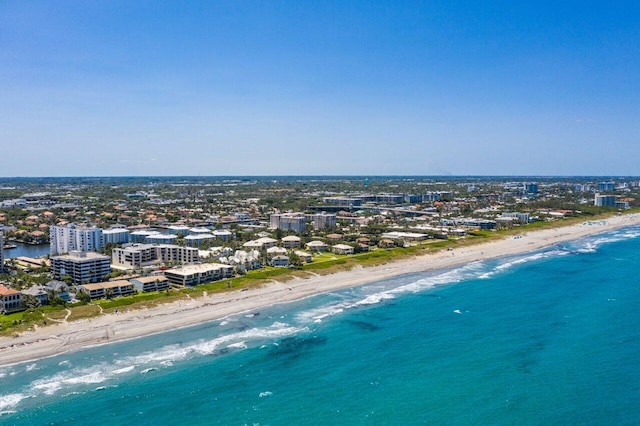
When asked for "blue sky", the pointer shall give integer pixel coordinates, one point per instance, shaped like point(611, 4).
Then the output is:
point(319, 87)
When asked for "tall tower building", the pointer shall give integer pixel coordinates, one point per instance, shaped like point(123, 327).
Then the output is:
point(71, 237)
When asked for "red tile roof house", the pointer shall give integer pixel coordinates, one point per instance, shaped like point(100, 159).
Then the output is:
point(10, 300)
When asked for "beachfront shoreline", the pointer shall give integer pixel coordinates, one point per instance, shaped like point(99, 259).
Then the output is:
point(69, 337)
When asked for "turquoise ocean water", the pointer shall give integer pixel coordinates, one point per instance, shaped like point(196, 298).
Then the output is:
point(550, 337)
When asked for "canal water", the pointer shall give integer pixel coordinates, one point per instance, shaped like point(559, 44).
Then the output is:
point(26, 250)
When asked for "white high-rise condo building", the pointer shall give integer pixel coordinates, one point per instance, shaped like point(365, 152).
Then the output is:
point(601, 200)
point(322, 220)
point(288, 221)
point(71, 237)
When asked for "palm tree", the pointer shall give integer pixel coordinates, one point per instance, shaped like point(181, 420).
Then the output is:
point(109, 293)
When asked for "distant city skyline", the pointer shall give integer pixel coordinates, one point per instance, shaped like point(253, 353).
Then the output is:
point(252, 88)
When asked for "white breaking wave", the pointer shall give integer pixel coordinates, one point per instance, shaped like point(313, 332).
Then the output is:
point(277, 330)
point(592, 244)
point(503, 267)
point(466, 272)
point(470, 271)
point(173, 353)
point(124, 370)
point(151, 361)
point(316, 315)
point(374, 299)
point(11, 400)
point(51, 385)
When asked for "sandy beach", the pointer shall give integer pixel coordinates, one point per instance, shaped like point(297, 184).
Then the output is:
point(66, 337)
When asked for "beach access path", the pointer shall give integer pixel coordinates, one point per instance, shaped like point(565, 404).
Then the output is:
point(67, 337)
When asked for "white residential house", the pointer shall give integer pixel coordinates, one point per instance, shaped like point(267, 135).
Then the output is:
point(317, 246)
point(39, 292)
point(276, 251)
point(342, 249)
point(291, 241)
point(246, 261)
point(260, 243)
point(304, 256)
point(280, 261)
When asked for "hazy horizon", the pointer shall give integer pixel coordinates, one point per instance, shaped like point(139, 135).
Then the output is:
point(353, 177)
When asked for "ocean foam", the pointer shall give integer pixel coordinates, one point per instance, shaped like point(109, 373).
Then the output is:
point(11, 400)
point(48, 387)
point(167, 355)
point(374, 299)
point(124, 370)
point(503, 267)
point(384, 293)
point(77, 377)
point(591, 244)
point(276, 330)
point(91, 378)
point(318, 314)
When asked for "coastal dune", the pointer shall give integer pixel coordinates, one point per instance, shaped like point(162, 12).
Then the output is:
point(67, 337)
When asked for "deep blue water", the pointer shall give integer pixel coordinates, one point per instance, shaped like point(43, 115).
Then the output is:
point(551, 337)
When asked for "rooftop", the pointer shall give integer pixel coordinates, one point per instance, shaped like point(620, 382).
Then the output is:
point(6, 291)
point(198, 269)
point(79, 256)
